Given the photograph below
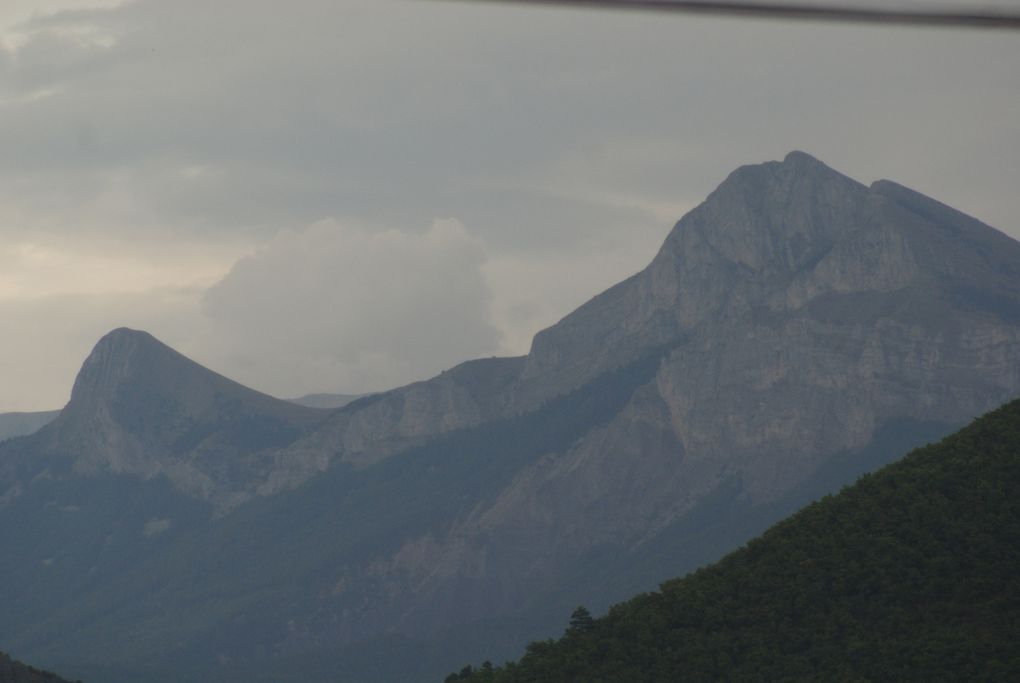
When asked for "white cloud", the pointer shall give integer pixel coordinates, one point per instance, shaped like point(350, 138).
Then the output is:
point(533, 291)
point(337, 306)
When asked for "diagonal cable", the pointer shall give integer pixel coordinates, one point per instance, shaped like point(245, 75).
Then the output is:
point(983, 18)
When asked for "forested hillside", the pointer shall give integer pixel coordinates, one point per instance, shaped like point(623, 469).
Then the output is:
point(908, 575)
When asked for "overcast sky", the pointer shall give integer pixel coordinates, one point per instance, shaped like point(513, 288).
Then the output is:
point(322, 196)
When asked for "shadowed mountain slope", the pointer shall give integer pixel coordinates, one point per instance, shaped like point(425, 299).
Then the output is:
point(909, 575)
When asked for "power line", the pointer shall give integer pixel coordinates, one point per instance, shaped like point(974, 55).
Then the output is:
point(988, 18)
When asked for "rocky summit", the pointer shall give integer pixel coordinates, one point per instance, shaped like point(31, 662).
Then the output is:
point(138, 407)
point(795, 330)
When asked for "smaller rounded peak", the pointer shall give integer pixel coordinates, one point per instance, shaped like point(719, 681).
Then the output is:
point(119, 346)
point(798, 157)
point(802, 164)
point(124, 336)
point(116, 340)
point(125, 332)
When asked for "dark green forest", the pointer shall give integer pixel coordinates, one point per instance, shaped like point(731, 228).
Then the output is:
point(12, 671)
point(911, 574)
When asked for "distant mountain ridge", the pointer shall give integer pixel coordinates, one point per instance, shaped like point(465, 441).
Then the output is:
point(795, 330)
point(22, 424)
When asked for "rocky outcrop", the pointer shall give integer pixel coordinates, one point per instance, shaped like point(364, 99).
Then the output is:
point(138, 407)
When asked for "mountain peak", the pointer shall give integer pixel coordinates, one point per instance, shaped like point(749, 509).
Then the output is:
point(770, 219)
point(776, 238)
point(139, 406)
point(123, 336)
point(115, 359)
point(130, 369)
point(798, 172)
point(799, 158)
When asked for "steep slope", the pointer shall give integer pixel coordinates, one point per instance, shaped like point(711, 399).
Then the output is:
point(909, 575)
point(795, 330)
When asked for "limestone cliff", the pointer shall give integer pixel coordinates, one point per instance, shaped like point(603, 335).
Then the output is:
point(795, 315)
point(792, 290)
point(138, 407)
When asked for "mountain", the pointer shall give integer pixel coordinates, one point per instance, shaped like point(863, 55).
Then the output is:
point(909, 575)
point(12, 671)
point(795, 330)
point(21, 424)
point(140, 408)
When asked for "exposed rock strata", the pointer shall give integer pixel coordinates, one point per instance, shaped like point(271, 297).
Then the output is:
point(802, 311)
point(138, 407)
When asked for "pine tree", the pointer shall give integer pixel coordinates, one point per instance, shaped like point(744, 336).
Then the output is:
point(580, 621)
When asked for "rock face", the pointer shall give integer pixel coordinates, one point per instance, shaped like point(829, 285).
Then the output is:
point(795, 313)
point(795, 330)
point(782, 258)
point(138, 407)
point(782, 239)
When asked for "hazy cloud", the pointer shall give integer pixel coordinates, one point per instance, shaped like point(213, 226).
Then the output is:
point(336, 305)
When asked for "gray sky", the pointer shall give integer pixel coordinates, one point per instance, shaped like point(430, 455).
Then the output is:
point(346, 196)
